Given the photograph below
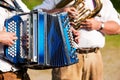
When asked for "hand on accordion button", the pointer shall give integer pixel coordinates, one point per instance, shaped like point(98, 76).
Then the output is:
point(76, 34)
point(7, 38)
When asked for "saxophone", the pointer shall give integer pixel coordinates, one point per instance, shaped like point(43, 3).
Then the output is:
point(84, 13)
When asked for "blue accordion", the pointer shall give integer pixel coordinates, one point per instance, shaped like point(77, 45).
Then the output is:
point(44, 40)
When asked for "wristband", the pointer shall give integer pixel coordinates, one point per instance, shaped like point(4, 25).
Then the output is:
point(102, 26)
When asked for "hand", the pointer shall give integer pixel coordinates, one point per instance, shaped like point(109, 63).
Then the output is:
point(71, 11)
point(7, 38)
point(76, 34)
point(91, 24)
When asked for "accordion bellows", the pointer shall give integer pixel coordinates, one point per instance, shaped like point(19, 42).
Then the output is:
point(44, 40)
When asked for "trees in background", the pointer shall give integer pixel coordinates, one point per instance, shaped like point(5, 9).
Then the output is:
point(116, 4)
point(32, 3)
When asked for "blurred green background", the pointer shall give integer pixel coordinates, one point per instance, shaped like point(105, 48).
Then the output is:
point(111, 52)
point(32, 3)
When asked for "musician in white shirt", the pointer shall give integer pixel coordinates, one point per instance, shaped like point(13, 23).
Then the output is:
point(9, 71)
point(92, 38)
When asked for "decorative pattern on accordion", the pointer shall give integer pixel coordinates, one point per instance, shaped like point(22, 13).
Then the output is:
point(50, 42)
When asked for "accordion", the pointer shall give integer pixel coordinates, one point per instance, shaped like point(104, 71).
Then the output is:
point(44, 40)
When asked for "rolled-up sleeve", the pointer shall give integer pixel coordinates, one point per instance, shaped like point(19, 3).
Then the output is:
point(23, 6)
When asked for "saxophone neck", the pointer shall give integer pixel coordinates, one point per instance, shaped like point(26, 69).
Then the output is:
point(98, 6)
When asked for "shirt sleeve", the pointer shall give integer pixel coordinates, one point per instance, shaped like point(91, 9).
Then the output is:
point(3, 16)
point(46, 4)
point(108, 12)
point(23, 6)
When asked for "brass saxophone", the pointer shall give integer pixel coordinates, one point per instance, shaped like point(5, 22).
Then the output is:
point(83, 12)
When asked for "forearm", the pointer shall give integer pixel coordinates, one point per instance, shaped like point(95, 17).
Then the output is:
point(71, 10)
point(53, 10)
point(110, 28)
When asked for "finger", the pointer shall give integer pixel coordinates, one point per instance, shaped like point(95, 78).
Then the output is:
point(15, 38)
point(11, 43)
point(72, 17)
point(89, 19)
point(77, 39)
point(72, 29)
point(72, 23)
point(13, 34)
point(4, 29)
point(84, 22)
point(73, 11)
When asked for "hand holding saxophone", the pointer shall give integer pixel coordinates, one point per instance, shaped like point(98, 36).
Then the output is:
point(90, 24)
point(72, 12)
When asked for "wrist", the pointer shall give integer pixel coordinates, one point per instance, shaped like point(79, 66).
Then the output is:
point(101, 26)
point(0, 41)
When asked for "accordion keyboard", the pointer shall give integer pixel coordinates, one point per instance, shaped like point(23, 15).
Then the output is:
point(12, 28)
point(13, 52)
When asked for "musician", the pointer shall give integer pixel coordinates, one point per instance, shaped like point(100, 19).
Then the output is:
point(92, 38)
point(7, 70)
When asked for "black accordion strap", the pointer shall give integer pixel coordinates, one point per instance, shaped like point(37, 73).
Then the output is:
point(63, 3)
point(17, 5)
point(10, 7)
point(7, 6)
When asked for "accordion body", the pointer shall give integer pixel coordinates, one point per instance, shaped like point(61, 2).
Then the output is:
point(44, 40)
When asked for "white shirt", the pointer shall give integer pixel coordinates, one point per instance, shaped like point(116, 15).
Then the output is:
point(4, 14)
point(89, 39)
